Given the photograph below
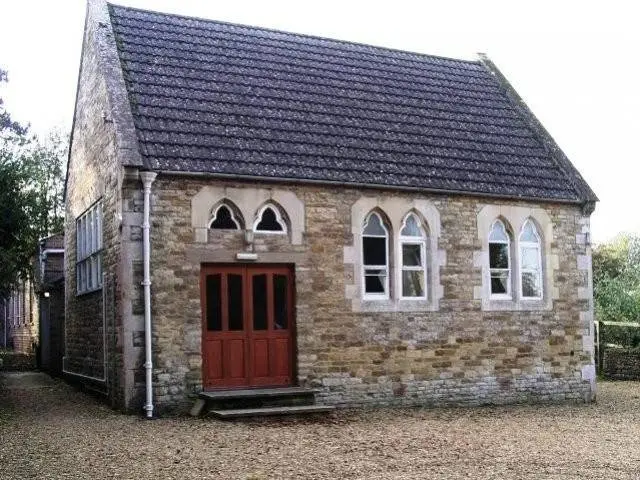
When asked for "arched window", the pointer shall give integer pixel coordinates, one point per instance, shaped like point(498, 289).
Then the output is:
point(500, 260)
point(530, 261)
point(269, 220)
point(375, 257)
point(413, 261)
point(224, 219)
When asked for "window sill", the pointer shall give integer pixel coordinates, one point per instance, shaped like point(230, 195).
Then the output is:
point(87, 292)
point(393, 305)
point(510, 304)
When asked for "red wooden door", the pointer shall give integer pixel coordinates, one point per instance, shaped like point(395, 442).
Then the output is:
point(247, 320)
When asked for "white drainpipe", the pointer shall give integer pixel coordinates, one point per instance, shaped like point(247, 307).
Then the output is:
point(147, 179)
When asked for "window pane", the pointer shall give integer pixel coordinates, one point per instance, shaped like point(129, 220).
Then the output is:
point(224, 219)
point(375, 281)
point(214, 303)
point(269, 221)
point(411, 255)
point(84, 276)
point(259, 302)
point(412, 284)
point(99, 267)
point(279, 302)
point(530, 258)
point(498, 233)
point(531, 284)
point(99, 225)
point(498, 255)
point(94, 271)
point(374, 250)
point(234, 291)
point(374, 226)
point(499, 282)
point(79, 240)
point(529, 233)
point(411, 227)
point(89, 233)
point(89, 273)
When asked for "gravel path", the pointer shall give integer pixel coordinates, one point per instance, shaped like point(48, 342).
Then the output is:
point(49, 430)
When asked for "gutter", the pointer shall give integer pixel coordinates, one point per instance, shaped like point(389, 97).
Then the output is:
point(147, 179)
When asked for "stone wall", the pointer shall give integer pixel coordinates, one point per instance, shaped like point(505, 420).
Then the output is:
point(621, 363)
point(100, 144)
point(456, 353)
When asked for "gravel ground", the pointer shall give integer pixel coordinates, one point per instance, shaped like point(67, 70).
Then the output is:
point(49, 430)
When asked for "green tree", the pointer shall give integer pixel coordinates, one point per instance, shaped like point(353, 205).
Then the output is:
point(616, 279)
point(31, 191)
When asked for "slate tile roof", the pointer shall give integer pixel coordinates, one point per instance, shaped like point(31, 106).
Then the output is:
point(227, 99)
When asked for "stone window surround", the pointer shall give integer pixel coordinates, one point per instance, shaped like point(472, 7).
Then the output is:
point(394, 210)
point(514, 217)
point(247, 202)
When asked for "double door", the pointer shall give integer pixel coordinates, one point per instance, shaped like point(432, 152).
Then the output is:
point(247, 323)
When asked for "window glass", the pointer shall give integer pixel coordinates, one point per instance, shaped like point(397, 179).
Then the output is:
point(530, 257)
point(375, 281)
point(531, 285)
point(224, 219)
point(374, 250)
point(499, 259)
point(498, 233)
point(413, 283)
point(529, 233)
point(88, 249)
point(374, 226)
point(269, 222)
point(498, 255)
point(411, 255)
point(500, 282)
point(375, 256)
point(411, 227)
point(280, 286)
point(530, 261)
point(214, 302)
point(260, 302)
point(234, 297)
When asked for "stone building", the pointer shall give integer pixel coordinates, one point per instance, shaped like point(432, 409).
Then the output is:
point(49, 292)
point(20, 312)
point(250, 208)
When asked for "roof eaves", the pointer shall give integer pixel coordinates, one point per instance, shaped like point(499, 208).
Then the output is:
point(584, 192)
point(373, 186)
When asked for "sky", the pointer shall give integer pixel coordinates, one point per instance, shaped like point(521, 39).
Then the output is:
point(575, 64)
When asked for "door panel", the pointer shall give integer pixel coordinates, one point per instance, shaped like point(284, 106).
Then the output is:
point(247, 325)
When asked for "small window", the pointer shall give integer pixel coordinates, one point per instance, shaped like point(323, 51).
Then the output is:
point(223, 219)
point(530, 262)
point(500, 260)
point(89, 249)
point(375, 254)
point(269, 221)
point(413, 258)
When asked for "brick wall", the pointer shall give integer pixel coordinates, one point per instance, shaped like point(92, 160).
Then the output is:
point(457, 354)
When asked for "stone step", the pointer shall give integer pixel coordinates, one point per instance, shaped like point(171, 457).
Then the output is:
point(257, 393)
point(271, 411)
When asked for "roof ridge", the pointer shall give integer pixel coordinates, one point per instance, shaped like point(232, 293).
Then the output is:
point(299, 35)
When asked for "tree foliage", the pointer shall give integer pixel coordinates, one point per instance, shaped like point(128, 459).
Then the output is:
point(31, 194)
point(616, 279)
